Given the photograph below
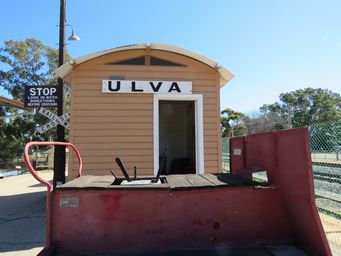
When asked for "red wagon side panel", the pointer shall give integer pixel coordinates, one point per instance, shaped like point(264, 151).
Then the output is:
point(113, 218)
point(285, 155)
point(159, 220)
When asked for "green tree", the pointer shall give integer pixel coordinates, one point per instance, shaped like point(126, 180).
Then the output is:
point(307, 106)
point(27, 62)
point(263, 122)
point(232, 123)
point(24, 62)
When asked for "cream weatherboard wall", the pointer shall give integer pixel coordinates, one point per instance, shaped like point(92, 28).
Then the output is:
point(105, 125)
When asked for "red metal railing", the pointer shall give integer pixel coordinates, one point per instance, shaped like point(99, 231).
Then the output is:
point(40, 143)
point(47, 183)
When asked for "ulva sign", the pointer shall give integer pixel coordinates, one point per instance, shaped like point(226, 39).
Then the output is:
point(130, 86)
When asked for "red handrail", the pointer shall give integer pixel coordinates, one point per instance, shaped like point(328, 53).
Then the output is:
point(46, 143)
point(49, 186)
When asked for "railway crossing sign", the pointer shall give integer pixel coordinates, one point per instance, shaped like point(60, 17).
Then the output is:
point(55, 120)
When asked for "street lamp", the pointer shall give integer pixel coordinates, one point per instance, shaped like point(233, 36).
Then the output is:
point(73, 36)
point(59, 153)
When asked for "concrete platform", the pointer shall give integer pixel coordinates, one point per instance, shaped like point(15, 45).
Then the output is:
point(22, 214)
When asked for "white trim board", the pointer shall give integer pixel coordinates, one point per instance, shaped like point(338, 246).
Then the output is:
point(199, 127)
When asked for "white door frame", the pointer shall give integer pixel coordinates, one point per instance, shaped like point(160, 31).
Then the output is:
point(199, 127)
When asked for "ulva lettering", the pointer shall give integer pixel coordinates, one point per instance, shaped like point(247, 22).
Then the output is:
point(116, 86)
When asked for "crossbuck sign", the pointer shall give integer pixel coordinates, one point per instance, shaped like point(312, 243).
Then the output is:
point(55, 120)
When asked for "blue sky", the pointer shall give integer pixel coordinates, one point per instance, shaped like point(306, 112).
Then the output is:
point(271, 46)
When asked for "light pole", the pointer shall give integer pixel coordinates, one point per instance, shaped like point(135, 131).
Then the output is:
point(59, 153)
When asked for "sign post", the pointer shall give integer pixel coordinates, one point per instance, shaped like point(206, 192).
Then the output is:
point(59, 152)
point(47, 96)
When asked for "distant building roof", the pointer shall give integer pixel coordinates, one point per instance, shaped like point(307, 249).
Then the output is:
point(6, 102)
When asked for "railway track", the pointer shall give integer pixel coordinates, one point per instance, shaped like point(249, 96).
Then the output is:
point(327, 183)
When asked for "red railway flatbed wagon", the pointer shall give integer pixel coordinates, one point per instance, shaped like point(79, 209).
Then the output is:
point(194, 214)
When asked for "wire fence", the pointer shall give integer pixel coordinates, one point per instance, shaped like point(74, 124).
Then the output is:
point(325, 143)
point(225, 146)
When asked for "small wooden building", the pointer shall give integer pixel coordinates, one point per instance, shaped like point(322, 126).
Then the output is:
point(148, 104)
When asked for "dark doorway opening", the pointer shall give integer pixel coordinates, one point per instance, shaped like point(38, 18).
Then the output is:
point(177, 137)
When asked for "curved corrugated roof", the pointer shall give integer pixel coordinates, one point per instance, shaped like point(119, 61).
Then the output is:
point(225, 75)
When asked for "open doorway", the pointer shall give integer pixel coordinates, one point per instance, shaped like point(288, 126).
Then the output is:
point(177, 138)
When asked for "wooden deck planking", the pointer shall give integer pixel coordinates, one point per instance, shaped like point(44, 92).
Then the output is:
point(228, 180)
point(199, 181)
point(178, 181)
point(188, 181)
point(90, 181)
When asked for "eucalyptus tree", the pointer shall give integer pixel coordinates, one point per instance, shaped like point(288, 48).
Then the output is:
point(24, 62)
